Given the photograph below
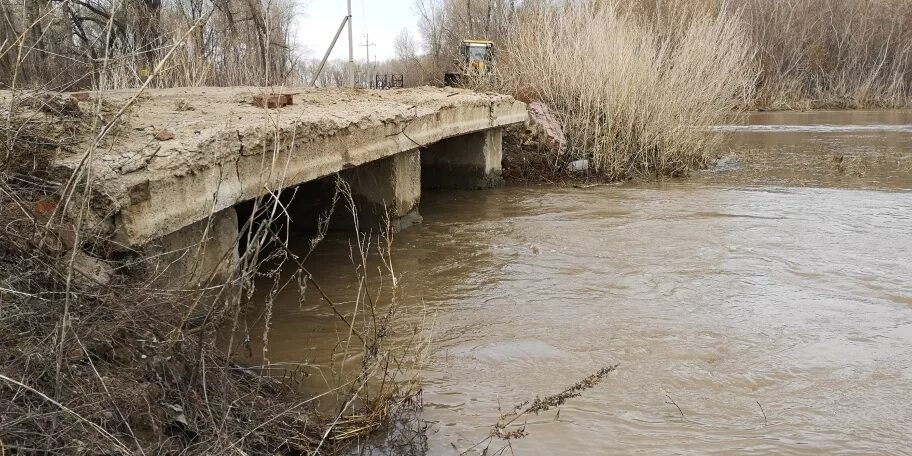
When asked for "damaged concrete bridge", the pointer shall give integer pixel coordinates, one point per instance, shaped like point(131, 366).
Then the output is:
point(180, 160)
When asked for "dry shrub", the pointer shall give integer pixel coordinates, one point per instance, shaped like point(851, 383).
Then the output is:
point(66, 45)
point(831, 53)
point(637, 82)
point(118, 363)
point(634, 96)
point(445, 23)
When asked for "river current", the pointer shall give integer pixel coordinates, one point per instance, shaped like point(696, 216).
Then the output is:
point(763, 306)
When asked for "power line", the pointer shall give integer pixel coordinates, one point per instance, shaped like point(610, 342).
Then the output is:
point(367, 45)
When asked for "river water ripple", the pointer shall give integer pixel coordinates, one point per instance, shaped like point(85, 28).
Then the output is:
point(769, 297)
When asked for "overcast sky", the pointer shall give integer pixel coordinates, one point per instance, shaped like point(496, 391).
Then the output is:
point(381, 19)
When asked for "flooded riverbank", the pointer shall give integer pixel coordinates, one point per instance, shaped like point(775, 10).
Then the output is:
point(762, 306)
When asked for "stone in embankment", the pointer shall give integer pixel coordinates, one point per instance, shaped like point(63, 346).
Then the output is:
point(544, 128)
point(535, 149)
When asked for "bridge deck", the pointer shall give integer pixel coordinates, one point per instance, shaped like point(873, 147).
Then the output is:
point(180, 154)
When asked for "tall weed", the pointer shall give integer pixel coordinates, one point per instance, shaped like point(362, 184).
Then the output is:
point(634, 97)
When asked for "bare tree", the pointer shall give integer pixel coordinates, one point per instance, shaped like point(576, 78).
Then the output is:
point(404, 45)
point(233, 42)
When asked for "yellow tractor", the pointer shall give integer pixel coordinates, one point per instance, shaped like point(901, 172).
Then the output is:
point(475, 61)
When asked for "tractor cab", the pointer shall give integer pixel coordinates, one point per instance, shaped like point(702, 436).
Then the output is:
point(478, 55)
point(475, 61)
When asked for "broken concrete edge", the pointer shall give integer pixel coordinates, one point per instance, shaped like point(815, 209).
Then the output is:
point(545, 129)
point(91, 271)
point(539, 151)
point(148, 188)
point(150, 208)
point(273, 100)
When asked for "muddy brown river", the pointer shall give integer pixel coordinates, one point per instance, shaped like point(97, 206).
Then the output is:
point(763, 306)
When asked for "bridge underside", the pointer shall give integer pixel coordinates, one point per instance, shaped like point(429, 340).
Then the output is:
point(385, 191)
point(180, 160)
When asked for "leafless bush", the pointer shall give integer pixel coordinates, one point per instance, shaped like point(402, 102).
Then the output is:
point(114, 364)
point(831, 53)
point(416, 68)
point(634, 96)
point(77, 44)
point(97, 357)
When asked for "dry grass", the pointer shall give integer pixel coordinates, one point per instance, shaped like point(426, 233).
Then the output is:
point(633, 96)
point(636, 82)
point(116, 367)
point(831, 53)
point(123, 365)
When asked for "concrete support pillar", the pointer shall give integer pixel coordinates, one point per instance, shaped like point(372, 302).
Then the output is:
point(191, 256)
point(391, 186)
point(470, 161)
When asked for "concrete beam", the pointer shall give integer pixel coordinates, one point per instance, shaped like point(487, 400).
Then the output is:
point(391, 186)
point(469, 161)
point(198, 254)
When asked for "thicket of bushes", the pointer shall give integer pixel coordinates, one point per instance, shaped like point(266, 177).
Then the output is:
point(830, 53)
point(635, 94)
point(808, 53)
point(98, 357)
point(636, 83)
point(74, 45)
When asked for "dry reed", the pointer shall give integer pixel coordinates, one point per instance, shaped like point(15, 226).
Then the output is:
point(121, 363)
point(637, 82)
point(831, 53)
point(634, 98)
